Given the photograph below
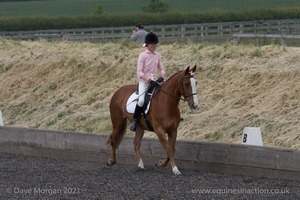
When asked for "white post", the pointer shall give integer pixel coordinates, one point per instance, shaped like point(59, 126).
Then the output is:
point(1, 119)
point(252, 136)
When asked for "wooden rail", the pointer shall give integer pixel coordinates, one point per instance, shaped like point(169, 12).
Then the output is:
point(167, 33)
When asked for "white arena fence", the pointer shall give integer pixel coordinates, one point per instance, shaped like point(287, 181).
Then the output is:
point(166, 33)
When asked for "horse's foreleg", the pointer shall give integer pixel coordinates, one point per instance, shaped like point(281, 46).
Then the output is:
point(162, 139)
point(137, 146)
point(169, 146)
point(171, 141)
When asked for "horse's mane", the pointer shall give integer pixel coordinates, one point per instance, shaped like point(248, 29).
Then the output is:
point(172, 75)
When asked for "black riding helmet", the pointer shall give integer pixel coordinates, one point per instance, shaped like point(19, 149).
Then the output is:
point(151, 38)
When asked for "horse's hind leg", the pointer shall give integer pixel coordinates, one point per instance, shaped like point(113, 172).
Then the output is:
point(112, 141)
point(137, 146)
point(119, 129)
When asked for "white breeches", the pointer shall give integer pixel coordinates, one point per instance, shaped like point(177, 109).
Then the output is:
point(143, 86)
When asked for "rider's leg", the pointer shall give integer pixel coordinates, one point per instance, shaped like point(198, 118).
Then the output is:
point(139, 107)
point(136, 116)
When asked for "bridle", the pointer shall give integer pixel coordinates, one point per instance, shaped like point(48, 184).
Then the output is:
point(181, 83)
point(182, 87)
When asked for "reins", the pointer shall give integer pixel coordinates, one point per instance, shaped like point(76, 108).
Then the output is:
point(180, 98)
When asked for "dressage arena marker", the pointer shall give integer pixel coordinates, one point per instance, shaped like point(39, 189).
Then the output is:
point(1, 119)
point(252, 136)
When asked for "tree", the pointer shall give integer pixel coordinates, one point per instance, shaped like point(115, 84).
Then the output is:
point(99, 10)
point(156, 6)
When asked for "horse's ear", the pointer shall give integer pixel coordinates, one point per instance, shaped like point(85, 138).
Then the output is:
point(194, 68)
point(187, 70)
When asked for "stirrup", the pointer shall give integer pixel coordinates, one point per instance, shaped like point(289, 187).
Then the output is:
point(133, 125)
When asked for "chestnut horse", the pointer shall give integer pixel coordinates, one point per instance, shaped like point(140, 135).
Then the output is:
point(164, 115)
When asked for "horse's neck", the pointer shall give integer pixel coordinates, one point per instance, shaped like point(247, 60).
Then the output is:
point(172, 90)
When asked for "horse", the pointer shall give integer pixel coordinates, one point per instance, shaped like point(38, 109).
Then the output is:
point(164, 115)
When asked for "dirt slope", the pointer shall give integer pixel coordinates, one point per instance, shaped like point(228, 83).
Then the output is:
point(68, 85)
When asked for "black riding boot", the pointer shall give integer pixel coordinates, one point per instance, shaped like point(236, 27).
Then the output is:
point(137, 112)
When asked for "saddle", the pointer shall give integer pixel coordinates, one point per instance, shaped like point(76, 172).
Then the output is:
point(132, 101)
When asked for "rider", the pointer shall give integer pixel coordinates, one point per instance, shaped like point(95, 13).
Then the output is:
point(149, 63)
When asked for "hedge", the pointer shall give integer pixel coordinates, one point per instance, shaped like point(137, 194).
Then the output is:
point(117, 20)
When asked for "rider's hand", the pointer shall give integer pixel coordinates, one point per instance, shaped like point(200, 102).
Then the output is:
point(153, 83)
point(160, 80)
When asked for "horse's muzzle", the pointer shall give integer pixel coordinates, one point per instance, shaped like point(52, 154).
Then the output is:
point(193, 106)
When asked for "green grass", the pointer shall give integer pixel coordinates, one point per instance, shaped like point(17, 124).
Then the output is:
point(87, 7)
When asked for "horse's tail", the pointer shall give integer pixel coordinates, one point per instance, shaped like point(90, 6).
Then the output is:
point(116, 137)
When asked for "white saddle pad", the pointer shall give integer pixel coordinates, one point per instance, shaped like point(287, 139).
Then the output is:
point(131, 103)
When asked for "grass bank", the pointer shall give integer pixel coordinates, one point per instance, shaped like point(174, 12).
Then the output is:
point(68, 85)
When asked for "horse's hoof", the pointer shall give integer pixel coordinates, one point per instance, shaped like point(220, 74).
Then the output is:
point(141, 164)
point(110, 163)
point(160, 163)
point(176, 171)
point(139, 169)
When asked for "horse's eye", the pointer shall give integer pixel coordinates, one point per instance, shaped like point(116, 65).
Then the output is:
point(187, 85)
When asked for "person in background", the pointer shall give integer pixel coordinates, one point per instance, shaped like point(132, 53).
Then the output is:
point(139, 34)
point(148, 65)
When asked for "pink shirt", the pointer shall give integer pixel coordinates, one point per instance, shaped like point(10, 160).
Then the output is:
point(149, 64)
